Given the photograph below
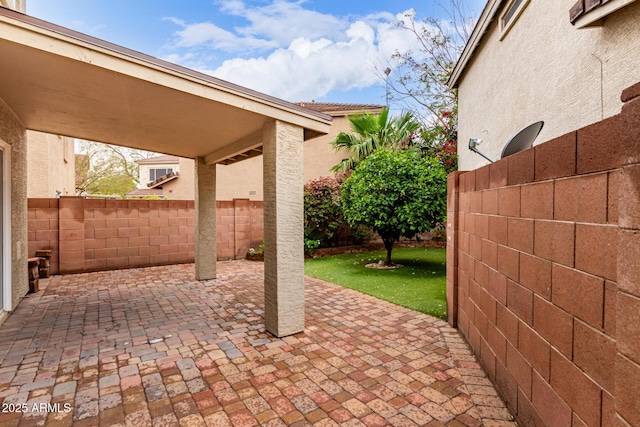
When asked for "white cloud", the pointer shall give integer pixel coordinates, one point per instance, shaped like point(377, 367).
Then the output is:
point(233, 7)
point(176, 58)
point(304, 47)
point(284, 21)
point(360, 30)
point(292, 52)
point(209, 35)
point(309, 70)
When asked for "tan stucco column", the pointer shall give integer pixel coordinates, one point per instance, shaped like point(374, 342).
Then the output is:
point(205, 232)
point(283, 228)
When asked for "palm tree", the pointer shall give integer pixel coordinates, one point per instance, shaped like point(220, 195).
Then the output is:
point(371, 132)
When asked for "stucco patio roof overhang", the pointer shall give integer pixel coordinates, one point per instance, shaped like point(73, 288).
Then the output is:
point(60, 81)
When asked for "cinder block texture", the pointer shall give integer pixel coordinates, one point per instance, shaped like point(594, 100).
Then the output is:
point(138, 233)
point(627, 390)
point(549, 274)
point(556, 158)
point(628, 197)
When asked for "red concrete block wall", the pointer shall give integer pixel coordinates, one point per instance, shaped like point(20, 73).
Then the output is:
point(544, 273)
point(98, 234)
point(43, 228)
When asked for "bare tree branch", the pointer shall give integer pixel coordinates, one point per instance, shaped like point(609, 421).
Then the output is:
point(421, 75)
point(107, 169)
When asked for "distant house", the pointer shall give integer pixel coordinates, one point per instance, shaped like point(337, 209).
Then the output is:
point(167, 177)
point(563, 62)
point(171, 177)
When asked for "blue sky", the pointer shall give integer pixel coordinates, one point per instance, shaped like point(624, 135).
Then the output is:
point(296, 50)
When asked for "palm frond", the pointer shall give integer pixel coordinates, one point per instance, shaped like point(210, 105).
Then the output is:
point(371, 132)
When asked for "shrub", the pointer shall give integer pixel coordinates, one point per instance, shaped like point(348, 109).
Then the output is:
point(397, 194)
point(310, 245)
point(322, 209)
point(323, 217)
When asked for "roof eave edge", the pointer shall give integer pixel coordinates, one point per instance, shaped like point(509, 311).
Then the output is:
point(488, 14)
point(25, 21)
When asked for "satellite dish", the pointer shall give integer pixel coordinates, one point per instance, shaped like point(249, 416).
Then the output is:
point(522, 140)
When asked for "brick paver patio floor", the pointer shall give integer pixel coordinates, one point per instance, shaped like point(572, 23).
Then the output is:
point(155, 347)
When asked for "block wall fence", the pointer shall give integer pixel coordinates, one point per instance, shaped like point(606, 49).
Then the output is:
point(543, 273)
point(96, 234)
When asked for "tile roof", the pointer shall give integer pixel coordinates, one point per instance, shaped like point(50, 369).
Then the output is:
point(327, 107)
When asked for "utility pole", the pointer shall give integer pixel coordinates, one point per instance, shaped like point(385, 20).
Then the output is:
point(387, 71)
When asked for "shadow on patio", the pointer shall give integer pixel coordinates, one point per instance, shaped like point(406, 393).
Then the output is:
point(153, 346)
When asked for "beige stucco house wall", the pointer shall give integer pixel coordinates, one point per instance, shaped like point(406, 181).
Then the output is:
point(179, 187)
point(50, 158)
point(50, 165)
point(243, 180)
point(543, 68)
point(13, 202)
point(160, 162)
point(184, 184)
point(13, 211)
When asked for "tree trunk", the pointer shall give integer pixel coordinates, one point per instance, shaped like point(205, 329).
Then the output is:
point(388, 245)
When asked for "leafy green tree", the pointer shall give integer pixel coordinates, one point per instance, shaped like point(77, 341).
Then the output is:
point(397, 194)
point(106, 169)
point(370, 132)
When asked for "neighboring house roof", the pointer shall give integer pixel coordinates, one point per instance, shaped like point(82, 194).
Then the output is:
point(159, 160)
point(592, 10)
point(337, 109)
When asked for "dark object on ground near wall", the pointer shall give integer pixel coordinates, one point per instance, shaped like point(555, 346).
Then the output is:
point(34, 281)
point(44, 263)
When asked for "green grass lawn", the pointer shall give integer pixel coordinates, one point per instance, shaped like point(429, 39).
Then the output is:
point(420, 285)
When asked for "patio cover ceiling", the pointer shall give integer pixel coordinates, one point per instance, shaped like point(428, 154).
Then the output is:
point(63, 82)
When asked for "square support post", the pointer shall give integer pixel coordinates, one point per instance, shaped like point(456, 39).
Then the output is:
point(205, 232)
point(283, 228)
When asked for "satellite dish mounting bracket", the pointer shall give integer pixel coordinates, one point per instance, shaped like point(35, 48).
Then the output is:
point(522, 140)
